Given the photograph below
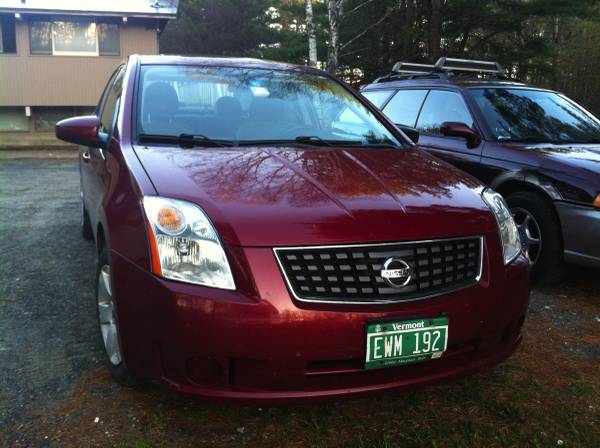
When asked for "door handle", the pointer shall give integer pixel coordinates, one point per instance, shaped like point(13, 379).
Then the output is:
point(85, 155)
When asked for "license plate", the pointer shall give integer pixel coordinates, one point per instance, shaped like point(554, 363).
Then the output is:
point(393, 343)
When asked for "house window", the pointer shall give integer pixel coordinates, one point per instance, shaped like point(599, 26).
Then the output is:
point(108, 39)
point(13, 119)
point(45, 118)
point(40, 38)
point(74, 38)
point(8, 42)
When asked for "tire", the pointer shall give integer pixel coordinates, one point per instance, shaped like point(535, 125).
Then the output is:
point(105, 313)
point(86, 226)
point(547, 262)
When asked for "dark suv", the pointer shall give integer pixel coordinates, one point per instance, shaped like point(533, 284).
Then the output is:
point(536, 147)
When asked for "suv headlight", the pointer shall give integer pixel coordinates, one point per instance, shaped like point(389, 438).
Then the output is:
point(509, 234)
point(186, 244)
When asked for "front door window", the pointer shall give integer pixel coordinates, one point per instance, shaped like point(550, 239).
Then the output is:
point(441, 106)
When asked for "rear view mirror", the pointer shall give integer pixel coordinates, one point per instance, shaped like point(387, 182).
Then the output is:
point(456, 129)
point(411, 133)
point(81, 131)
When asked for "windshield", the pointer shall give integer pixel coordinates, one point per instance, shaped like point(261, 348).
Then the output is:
point(535, 116)
point(248, 106)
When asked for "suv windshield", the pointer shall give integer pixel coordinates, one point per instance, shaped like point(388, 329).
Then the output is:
point(535, 116)
point(252, 106)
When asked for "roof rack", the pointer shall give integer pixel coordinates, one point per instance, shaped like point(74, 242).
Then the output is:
point(411, 67)
point(468, 65)
point(445, 68)
point(449, 65)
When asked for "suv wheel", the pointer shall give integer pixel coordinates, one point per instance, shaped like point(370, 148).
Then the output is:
point(540, 235)
point(107, 320)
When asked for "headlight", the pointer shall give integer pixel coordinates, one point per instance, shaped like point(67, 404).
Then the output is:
point(187, 245)
point(509, 234)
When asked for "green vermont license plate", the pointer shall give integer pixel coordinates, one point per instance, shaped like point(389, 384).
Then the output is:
point(393, 343)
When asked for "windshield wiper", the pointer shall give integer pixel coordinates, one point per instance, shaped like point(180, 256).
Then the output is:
point(371, 144)
point(312, 140)
point(298, 141)
point(316, 141)
point(184, 140)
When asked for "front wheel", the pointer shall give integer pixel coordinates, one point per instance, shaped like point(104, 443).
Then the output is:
point(539, 230)
point(107, 320)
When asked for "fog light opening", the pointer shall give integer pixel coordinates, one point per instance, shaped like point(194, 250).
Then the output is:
point(204, 371)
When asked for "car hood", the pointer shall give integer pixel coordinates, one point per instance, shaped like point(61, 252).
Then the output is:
point(582, 159)
point(306, 196)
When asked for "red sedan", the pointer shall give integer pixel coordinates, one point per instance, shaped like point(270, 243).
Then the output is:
point(264, 233)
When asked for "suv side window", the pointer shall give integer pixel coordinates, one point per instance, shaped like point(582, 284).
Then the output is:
point(110, 102)
point(404, 107)
point(440, 106)
point(378, 97)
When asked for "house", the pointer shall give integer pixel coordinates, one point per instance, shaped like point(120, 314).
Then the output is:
point(57, 55)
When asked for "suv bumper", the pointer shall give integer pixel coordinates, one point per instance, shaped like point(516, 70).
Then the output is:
point(581, 233)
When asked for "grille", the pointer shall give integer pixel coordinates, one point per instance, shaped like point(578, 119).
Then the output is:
point(352, 274)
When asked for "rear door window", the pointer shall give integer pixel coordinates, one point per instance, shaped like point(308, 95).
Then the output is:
point(404, 107)
point(378, 97)
point(441, 106)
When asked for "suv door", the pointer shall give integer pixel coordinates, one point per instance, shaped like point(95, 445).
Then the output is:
point(441, 106)
point(93, 159)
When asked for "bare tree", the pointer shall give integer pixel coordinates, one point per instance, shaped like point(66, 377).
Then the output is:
point(336, 13)
point(335, 9)
point(312, 37)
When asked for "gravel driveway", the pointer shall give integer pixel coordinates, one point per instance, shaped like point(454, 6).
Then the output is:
point(47, 333)
point(53, 386)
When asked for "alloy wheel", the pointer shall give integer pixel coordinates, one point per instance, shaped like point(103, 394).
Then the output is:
point(106, 316)
point(529, 232)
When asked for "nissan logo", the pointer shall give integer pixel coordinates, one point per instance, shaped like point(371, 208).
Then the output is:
point(396, 272)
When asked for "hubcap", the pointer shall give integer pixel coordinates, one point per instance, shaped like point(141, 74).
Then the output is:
point(529, 232)
point(106, 316)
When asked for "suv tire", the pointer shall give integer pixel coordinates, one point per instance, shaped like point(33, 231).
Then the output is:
point(534, 214)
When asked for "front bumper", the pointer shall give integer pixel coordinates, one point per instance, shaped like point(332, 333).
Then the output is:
point(581, 233)
point(268, 347)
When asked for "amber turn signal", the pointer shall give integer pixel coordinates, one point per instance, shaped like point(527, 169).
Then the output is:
point(597, 201)
point(170, 219)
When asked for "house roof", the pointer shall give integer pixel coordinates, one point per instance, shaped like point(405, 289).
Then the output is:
point(132, 8)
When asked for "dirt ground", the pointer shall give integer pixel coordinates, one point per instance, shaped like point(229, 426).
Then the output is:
point(54, 390)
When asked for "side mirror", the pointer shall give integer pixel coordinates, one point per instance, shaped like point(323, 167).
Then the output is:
point(456, 129)
point(81, 131)
point(411, 133)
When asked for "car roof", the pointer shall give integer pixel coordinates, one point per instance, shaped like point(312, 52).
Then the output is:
point(224, 62)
